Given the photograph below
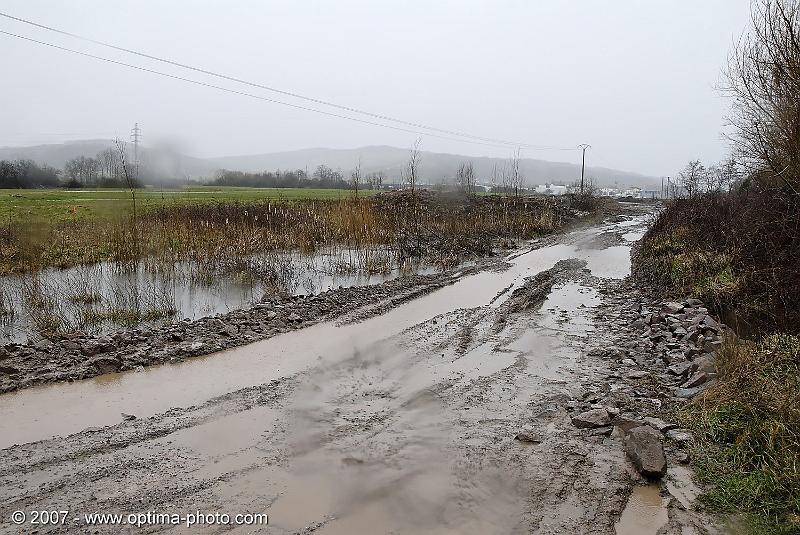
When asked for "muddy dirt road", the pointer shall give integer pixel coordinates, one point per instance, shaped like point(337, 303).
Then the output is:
point(449, 413)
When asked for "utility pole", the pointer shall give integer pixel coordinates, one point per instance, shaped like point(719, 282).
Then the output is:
point(136, 134)
point(583, 146)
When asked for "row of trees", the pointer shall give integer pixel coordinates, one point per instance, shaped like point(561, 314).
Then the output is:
point(27, 174)
point(322, 177)
point(696, 178)
point(108, 169)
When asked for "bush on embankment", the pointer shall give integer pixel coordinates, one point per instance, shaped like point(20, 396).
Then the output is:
point(736, 251)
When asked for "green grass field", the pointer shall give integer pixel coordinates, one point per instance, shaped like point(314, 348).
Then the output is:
point(60, 205)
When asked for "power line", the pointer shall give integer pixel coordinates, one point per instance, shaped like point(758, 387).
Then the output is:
point(251, 95)
point(285, 92)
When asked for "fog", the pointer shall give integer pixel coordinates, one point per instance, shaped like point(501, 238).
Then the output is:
point(636, 80)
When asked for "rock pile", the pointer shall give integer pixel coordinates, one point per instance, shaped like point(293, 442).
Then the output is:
point(660, 354)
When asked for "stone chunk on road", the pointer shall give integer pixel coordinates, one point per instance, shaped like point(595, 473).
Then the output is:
point(643, 446)
point(591, 419)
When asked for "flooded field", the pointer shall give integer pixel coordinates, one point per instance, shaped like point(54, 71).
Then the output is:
point(104, 297)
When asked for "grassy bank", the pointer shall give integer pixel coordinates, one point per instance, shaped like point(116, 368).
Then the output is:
point(738, 252)
point(747, 432)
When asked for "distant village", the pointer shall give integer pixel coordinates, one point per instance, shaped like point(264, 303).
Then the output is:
point(561, 189)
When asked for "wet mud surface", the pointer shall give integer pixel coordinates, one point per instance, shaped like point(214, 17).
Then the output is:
point(446, 407)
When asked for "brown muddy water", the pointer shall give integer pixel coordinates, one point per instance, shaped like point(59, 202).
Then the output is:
point(50, 410)
point(645, 512)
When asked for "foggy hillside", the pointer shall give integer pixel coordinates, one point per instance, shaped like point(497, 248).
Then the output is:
point(433, 166)
point(170, 164)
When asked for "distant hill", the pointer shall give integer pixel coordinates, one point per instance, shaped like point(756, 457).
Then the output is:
point(433, 166)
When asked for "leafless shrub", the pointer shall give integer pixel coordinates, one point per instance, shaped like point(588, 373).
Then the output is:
point(465, 177)
point(763, 77)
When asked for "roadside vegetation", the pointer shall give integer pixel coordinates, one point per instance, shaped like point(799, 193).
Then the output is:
point(735, 243)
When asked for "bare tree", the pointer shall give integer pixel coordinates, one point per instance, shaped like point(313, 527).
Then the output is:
point(493, 178)
point(516, 179)
point(692, 177)
point(129, 181)
point(411, 172)
point(355, 176)
point(109, 162)
point(763, 76)
point(465, 177)
point(722, 176)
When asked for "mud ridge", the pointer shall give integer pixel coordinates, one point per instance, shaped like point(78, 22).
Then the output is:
point(79, 356)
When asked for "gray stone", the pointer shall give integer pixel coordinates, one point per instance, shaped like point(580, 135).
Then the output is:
point(591, 419)
point(69, 345)
point(127, 417)
point(529, 436)
point(643, 446)
point(706, 363)
point(658, 424)
point(699, 378)
point(44, 343)
point(711, 323)
point(672, 307)
point(231, 330)
point(105, 364)
point(681, 436)
point(637, 374)
point(688, 393)
point(679, 368)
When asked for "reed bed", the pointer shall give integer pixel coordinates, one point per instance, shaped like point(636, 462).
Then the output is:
point(376, 231)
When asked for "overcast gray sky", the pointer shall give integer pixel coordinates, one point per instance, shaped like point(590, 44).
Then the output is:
point(635, 79)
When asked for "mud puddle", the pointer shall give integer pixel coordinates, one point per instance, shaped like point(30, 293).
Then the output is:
point(645, 512)
point(52, 410)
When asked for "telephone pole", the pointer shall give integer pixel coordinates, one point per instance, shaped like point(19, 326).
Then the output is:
point(136, 135)
point(583, 146)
